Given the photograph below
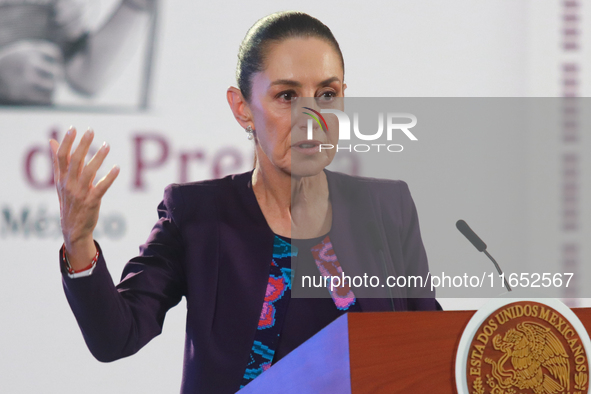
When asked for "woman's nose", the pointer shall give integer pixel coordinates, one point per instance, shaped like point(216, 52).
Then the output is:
point(305, 116)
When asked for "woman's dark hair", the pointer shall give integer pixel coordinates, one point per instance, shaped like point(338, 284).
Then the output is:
point(273, 29)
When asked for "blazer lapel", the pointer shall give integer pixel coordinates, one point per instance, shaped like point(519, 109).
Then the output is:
point(354, 223)
point(255, 249)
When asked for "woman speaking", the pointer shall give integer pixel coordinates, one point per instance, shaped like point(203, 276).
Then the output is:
point(228, 245)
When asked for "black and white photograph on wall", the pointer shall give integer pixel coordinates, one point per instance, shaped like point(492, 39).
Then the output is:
point(76, 54)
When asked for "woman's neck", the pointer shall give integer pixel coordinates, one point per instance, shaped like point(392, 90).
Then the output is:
point(292, 203)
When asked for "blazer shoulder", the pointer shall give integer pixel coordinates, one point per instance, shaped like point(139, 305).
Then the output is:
point(375, 184)
point(201, 199)
point(389, 197)
point(201, 189)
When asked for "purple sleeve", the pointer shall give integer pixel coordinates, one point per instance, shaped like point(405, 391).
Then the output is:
point(117, 321)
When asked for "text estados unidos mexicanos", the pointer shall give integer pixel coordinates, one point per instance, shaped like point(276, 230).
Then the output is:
point(524, 279)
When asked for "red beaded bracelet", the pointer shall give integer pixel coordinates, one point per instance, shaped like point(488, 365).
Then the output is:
point(72, 270)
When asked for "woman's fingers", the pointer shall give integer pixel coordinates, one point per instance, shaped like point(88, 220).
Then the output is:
point(77, 159)
point(63, 152)
point(103, 185)
point(54, 146)
point(80, 175)
point(89, 171)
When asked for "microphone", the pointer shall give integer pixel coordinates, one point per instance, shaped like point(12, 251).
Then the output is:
point(377, 245)
point(471, 235)
point(480, 246)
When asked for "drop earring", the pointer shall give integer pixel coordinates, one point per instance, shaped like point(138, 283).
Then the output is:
point(250, 131)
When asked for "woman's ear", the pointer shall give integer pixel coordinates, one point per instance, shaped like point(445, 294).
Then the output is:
point(344, 88)
point(239, 107)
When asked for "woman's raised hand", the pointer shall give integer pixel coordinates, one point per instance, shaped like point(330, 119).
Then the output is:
point(79, 198)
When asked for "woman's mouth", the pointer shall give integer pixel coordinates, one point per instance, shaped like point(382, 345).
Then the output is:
point(307, 146)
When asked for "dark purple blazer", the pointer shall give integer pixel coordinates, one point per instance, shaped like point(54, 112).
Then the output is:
point(212, 245)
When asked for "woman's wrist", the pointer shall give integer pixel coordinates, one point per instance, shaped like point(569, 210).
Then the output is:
point(80, 254)
point(72, 273)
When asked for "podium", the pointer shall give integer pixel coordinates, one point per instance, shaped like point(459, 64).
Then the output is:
point(376, 352)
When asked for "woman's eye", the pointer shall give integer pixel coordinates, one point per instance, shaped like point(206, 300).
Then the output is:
point(326, 96)
point(287, 96)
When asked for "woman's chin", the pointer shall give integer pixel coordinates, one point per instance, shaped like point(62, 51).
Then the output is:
point(306, 168)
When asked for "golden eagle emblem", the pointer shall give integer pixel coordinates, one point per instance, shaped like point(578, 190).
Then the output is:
point(538, 360)
point(527, 347)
